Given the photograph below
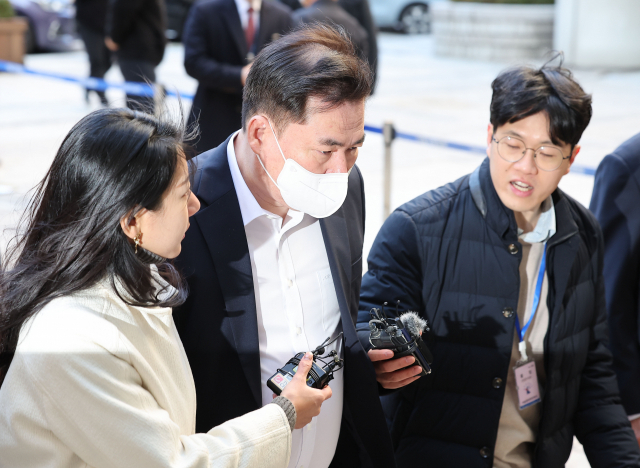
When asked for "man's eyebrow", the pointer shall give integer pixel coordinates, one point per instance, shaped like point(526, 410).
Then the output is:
point(516, 134)
point(332, 142)
point(185, 181)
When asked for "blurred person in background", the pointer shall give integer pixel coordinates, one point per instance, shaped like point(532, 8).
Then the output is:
point(361, 11)
point(616, 204)
point(287, 266)
point(92, 371)
point(331, 13)
point(136, 33)
point(221, 38)
point(90, 20)
point(507, 269)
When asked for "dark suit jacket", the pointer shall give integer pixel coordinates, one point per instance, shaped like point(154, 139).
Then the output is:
point(92, 14)
point(328, 11)
point(361, 11)
point(138, 27)
point(215, 50)
point(616, 204)
point(218, 323)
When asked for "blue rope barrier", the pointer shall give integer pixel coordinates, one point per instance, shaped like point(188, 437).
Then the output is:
point(145, 90)
point(136, 89)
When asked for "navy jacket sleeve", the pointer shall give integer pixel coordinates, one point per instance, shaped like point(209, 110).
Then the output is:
point(198, 62)
point(394, 271)
point(615, 203)
point(600, 421)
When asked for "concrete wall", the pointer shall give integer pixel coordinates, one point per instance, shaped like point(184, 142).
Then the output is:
point(496, 32)
point(598, 33)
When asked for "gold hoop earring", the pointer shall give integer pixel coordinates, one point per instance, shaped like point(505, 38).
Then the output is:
point(137, 240)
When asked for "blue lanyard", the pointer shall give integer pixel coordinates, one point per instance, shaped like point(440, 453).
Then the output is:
point(536, 297)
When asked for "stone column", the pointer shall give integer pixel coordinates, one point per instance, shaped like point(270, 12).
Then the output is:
point(598, 33)
point(498, 32)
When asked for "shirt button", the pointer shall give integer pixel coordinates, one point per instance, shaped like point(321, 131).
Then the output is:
point(507, 312)
point(485, 452)
point(290, 283)
point(513, 249)
point(298, 331)
point(497, 383)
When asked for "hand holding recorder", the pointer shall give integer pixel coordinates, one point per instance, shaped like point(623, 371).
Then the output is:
point(397, 343)
point(306, 400)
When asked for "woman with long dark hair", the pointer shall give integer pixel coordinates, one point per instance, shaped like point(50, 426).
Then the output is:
point(92, 370)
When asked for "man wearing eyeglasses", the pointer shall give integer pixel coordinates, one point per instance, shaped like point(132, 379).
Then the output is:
point(507, 269)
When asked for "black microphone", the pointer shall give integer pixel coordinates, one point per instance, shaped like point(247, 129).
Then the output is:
point(401, 335)
point(416, 325)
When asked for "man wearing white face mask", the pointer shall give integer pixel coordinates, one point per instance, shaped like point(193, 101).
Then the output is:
point(278, 246)
point(318, 195)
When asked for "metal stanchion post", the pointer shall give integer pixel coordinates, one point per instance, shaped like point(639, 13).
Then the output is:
point(389, 134)
point(159, 95)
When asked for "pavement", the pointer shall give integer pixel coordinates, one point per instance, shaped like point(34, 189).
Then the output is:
point(421, 93)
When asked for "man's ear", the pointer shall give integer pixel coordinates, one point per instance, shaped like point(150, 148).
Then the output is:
point(489, 138)
point(574, 153)
point(256, 128)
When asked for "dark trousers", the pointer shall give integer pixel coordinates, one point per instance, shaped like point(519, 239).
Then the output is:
point(99, 56)
point(139, 72)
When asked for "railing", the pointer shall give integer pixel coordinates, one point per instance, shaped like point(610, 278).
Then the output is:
point(388, 131)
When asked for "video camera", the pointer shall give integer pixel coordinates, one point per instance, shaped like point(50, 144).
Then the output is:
point(402, 335)
point(318, 377)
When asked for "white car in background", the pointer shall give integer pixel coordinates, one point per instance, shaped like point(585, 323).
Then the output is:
point(409, 16)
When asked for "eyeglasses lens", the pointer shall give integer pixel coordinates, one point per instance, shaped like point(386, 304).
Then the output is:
point(546, 158)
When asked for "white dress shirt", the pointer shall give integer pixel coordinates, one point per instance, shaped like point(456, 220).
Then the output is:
point(297, 308)
point(243, 10)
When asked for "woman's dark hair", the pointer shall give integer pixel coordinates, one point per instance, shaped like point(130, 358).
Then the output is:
point(524, 91)
point(314, 60)
point(112, 164)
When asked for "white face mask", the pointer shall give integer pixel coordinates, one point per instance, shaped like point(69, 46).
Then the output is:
point(318, 195)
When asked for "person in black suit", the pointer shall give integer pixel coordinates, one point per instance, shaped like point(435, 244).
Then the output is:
point(136, 33)
point(614, 202)
point(329, 11)
point(220, 40)
point(274, 257)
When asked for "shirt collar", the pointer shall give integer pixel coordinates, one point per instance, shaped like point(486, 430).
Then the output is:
point(545, 227)
point(249, 206)
point(244, 5)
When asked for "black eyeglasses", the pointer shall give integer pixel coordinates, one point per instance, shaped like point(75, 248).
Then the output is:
point(513, 149)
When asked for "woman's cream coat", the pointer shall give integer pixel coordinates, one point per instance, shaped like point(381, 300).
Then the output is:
point(97, 383)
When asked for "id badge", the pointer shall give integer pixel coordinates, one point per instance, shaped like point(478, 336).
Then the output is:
point(527, 384)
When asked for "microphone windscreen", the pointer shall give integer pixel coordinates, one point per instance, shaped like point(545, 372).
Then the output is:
point(413, 322)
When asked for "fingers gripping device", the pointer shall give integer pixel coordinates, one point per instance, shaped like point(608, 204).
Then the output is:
point(318, 377)
point(401, 335)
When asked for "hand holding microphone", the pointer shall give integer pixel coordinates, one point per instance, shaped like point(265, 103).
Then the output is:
point(398, 338)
